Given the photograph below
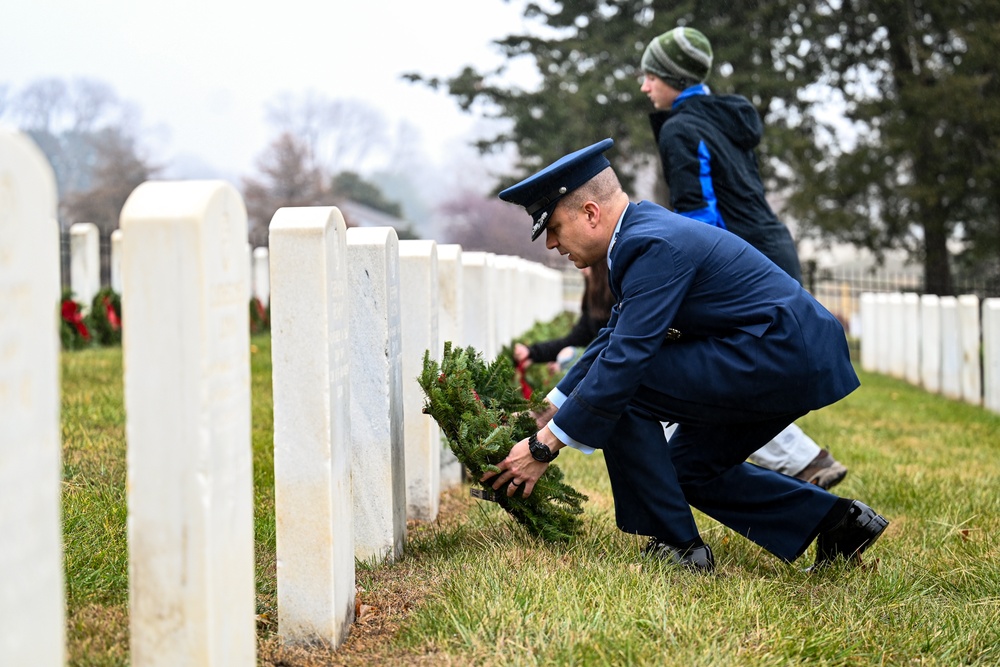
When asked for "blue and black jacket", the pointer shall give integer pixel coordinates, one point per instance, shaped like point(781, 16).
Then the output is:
point(707, 144)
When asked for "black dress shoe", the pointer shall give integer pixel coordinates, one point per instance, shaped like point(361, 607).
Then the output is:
point(697, 559)
point(857, 531)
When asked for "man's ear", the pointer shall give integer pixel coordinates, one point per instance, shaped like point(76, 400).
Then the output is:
point(593, 211)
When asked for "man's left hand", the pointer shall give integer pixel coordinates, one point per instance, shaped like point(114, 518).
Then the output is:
point(519, 468)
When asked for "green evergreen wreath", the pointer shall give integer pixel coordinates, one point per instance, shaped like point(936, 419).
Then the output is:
point(105, 318)
point(482, 413)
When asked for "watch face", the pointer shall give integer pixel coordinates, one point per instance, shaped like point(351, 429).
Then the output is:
point(540, 451)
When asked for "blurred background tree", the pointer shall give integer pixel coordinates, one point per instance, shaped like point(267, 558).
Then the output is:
point(881, 114)
point(90, 138)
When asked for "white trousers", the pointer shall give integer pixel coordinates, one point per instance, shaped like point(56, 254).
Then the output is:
point(789, 452)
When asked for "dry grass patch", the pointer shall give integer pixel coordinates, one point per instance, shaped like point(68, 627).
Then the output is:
point(385, 596)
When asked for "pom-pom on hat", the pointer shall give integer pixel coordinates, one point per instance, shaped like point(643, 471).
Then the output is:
point(540, 193)
point(681, 54)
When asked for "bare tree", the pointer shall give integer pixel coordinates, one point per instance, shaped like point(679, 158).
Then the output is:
point(288, 178)
point(89, 137)
point(41, 105)
point(339, 135)
point(359, 130)
point(118, 169)
point(94, 102)
point(477, 222)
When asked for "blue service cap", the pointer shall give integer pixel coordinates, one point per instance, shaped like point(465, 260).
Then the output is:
point(540, 193)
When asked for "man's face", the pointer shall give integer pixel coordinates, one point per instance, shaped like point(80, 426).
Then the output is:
point(572, 232)
point(659, 93)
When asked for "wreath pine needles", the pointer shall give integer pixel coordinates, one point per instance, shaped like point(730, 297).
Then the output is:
point(482, 413)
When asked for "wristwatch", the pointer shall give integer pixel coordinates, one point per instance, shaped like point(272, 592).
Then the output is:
point(539, 450)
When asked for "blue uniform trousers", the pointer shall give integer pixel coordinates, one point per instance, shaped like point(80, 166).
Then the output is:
point(703, 465)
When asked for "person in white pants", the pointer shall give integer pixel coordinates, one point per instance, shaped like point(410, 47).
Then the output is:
point(794, 453)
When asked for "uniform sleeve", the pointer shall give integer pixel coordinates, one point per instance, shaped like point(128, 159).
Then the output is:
point(654, 277)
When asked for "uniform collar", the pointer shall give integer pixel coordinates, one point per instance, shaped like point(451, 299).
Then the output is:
point(614, 237)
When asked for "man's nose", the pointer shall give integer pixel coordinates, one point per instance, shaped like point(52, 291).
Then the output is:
point(550, 240)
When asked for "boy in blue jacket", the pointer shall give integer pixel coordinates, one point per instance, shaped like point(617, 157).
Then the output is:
point(707, 146)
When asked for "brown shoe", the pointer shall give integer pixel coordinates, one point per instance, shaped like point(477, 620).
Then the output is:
point(824, 471)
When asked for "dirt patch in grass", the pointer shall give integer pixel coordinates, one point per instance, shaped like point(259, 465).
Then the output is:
point(97, 635)
point(380, 610)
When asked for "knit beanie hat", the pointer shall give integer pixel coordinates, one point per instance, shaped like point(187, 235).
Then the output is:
point(681, 54)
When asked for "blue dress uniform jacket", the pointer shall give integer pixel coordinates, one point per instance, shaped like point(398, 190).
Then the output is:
point(755, 352)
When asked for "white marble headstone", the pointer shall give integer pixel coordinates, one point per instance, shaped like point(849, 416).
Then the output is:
point(951, 349)
point(419, 320)
point(911, 338)
point(930, 342)
point(970, 330)
point(32, 624)
point(187, 396)
point(310, 358)
point(869, 332)
point(450, 288)
point(895, 334)
point(84, 262)
point(379, 471)
point(116, 261)
point(991, 354)
point(479, 303)
point(261, 277)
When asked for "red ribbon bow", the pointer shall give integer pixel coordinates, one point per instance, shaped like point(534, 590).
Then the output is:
point(71, 313)
point(112, 316)
point(525, 387)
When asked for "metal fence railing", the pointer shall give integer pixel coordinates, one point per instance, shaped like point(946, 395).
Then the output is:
point(839, 290)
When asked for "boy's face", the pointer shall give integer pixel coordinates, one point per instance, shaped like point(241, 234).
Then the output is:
point(659, 93)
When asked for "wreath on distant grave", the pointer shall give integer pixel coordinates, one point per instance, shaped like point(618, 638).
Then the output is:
point(73, 331)
point(483, 413)
point(105, 317)
point(260, 317)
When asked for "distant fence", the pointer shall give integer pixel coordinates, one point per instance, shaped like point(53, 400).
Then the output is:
point(840, 290)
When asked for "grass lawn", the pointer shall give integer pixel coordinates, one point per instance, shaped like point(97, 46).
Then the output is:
point(475, 589)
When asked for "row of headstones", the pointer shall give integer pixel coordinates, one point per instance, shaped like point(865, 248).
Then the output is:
point(504, 292)
point(352, 313)
point(485, 299)
point(947, 345)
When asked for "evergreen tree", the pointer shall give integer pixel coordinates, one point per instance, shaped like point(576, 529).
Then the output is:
point(917, 79)
point(587, 59)
point(920, 85)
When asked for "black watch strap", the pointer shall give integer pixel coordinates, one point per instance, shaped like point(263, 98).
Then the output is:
point(539, 450)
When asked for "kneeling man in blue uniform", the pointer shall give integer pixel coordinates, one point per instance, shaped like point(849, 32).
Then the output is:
point(707, 333)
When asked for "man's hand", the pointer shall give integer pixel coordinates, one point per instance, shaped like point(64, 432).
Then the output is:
point(542, 417)
point(519, 468)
